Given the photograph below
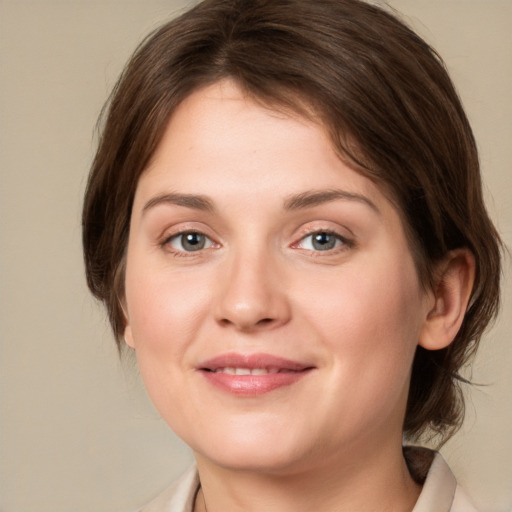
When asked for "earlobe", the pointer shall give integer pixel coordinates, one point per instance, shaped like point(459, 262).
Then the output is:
point(128, 335)
point(452, 291)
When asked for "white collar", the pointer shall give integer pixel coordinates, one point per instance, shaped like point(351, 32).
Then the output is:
point(440, 492)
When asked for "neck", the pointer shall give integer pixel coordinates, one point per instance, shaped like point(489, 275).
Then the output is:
point(376, 481)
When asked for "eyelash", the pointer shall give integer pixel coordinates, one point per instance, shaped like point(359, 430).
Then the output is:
point(167, 243)
point(341, 243)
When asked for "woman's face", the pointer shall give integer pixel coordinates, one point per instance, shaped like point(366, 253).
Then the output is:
point(271, 295)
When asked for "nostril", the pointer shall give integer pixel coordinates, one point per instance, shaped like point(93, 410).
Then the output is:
point(264, 321)
point(249, 325)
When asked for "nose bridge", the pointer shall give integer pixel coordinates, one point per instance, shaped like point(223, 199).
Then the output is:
point(251, 293)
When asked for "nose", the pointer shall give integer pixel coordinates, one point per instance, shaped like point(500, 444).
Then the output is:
point(252, 296)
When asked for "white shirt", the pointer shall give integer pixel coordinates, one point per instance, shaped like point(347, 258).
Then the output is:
point(440, 492)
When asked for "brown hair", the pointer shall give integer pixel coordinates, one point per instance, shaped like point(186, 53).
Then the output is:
point(390, 108)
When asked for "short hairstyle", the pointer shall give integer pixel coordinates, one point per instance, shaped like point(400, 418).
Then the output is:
point(390, 109)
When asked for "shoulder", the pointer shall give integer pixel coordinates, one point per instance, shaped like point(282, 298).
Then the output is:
point(440, 489)
point(178, 497)
point(461, 502)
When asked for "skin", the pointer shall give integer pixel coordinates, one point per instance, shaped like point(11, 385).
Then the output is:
point(353, 313)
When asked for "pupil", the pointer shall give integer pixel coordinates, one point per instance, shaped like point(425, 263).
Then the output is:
point(193, 241)
point(324, 241)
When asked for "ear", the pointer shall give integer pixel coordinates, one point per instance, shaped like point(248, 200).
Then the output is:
point(455, 276)
point(128, 335)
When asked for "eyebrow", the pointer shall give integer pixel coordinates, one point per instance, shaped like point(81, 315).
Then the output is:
point(197, 202)
point(300, 201)
point(312, 198)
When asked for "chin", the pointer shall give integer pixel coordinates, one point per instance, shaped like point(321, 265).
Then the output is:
point(268, 450)
point(258, 460)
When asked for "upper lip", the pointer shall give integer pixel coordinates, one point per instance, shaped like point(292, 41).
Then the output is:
point(252, 361)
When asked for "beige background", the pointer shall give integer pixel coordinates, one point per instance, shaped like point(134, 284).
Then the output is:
point(77, 432)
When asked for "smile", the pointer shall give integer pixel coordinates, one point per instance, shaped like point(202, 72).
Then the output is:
point(252, 375)
point(249, 371)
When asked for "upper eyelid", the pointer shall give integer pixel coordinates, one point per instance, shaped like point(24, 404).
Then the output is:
point(170, 236)
point(185, 227)
point(336, 224)
point(345, 233)
point(329, 232)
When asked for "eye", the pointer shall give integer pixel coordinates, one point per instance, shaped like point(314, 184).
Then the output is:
point(322, 241)
point(190, 241)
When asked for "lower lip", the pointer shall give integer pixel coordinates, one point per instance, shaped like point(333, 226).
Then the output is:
point(253, 385)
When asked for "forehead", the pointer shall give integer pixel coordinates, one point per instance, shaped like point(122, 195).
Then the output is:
point(221, 127)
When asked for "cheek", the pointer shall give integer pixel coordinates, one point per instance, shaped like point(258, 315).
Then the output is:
point(164, 314)
point(164, 309)
point(370, 319)
point(379, 299)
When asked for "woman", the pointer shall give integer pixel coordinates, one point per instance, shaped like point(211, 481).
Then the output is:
point(285, 221)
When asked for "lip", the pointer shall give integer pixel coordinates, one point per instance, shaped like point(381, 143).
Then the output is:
point(281, 373)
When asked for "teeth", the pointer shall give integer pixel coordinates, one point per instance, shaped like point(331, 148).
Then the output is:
point(247, 371)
